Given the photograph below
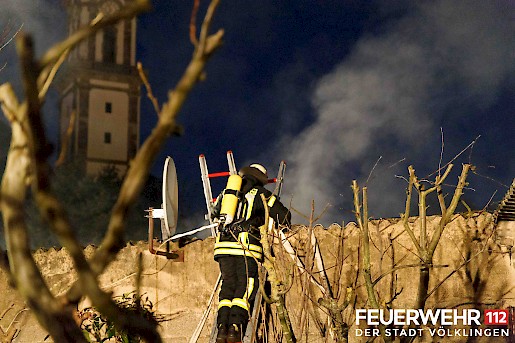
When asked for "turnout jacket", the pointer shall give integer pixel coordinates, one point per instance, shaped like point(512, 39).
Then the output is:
point(245, 237)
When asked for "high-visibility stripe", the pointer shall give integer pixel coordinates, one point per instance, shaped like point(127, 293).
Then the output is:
point(240, 248)
point(237, 252)
point(250, 288)
point(244, 212)
point(256, 248)
point(225, 302)
point(232, 245)
point(240, 303)
point(251, 197)
point(244, 238)
point(236, 245)
point(271, 201)
point(242, 244)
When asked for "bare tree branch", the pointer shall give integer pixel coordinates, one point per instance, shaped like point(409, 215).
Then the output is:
point(27, 164)
point(150, 95)
point(138, 172)
point(406, 214)
point(45, 79)
point(455, 157)
point(27, 277)
point(362, 220)
point(53, 212)
point(277, 294)
point(9, 102)
point(193, 27)
point(372, 170)
point(66, 140)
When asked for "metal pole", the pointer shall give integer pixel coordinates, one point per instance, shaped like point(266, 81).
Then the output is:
point(208, 195)
point(230, 162)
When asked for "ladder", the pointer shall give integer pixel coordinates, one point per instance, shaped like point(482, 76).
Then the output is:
point(251, 331)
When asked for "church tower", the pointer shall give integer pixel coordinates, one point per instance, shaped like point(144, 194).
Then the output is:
point(100, 84)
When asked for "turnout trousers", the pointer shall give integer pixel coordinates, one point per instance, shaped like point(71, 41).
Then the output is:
point(240, 283)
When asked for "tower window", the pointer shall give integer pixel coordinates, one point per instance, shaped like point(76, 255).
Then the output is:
point(109, 46)
point(108, 107)
point(107, 137)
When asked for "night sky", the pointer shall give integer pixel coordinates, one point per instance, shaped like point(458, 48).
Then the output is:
point(340, 90)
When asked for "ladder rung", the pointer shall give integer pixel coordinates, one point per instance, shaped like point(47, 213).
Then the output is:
point(219, 174)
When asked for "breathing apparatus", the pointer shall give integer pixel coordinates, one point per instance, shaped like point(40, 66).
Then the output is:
point(230, 200)
point(232, 196)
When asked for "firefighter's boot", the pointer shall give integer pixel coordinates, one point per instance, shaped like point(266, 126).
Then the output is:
point(234, 334)
point(221, 337)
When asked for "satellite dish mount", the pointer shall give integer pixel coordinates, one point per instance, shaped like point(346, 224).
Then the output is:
point(168, 214)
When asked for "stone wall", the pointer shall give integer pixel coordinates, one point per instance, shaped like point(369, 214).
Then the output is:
point(181, 290)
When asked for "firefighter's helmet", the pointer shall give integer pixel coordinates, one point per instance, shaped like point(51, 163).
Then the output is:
point(257, 171)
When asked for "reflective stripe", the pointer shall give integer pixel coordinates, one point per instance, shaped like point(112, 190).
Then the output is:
point(236, 245)
point(237, 252)
point(251, 197)
point(242, 244)
point(231, 245)
point(240, 303)
point(244, 238)
point(240, 248)
point(243, 213)
point(225, 302)
point(250, 288)
point(271, 201)
point(256, 248)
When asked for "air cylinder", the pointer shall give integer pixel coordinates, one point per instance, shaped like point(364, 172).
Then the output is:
point(230, 199)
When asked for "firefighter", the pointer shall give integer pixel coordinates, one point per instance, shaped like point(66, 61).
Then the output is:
point(238, 249)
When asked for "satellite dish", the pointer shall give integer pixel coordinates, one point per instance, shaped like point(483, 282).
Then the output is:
point(170, 199)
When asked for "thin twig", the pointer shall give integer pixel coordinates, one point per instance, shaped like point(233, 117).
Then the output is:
point(4, 312)
point(16, 317)
point(44, 80)
point(396, 163)
point(474, 171)
point(12, 37)
point(455, 157)
point(374, 167)
point(66, 140)
point(150, 95)
point(326, 208)
point(208, 44)
point(193, 26)
point(489, 201)
point(441, 152)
